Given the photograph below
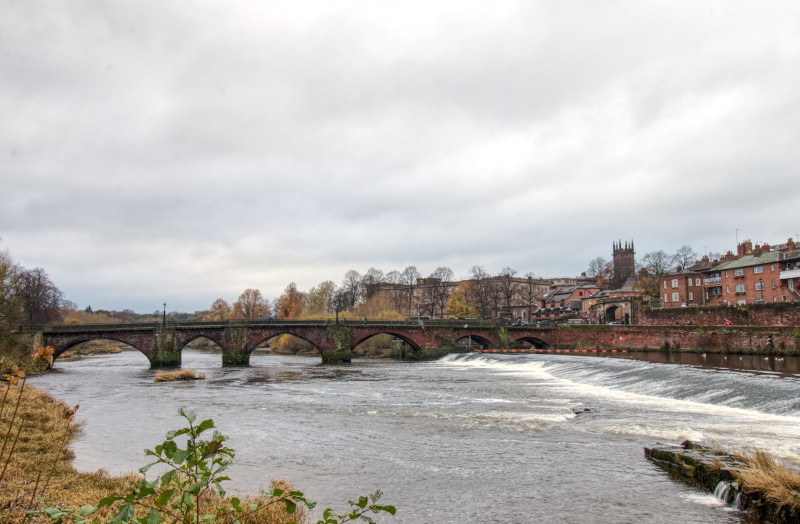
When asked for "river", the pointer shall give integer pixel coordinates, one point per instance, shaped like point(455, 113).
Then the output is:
point(469, 438)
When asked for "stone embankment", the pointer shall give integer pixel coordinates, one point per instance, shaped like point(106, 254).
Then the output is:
point(716, 471)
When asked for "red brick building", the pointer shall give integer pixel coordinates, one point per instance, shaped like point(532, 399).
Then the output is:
point(755, 274)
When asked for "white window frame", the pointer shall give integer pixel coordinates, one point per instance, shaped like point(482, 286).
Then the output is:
point(674, 283)
point(758, 270)
point(675, 297)
point(740, 288)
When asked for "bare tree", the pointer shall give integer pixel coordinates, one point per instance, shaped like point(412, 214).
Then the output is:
point(392, 277)
point(10, 310)
point(436, 291)
point(372, 281)
point(530, 293)
point(408, 279)
point(658, 263)
point(40, 298)
point(654, 265)
point(352, 289)
point(685, 256)
point(480, 293)
point(596, 266)
point(505, 289)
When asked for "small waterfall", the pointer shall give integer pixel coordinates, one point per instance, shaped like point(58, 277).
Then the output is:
point(728, 493)
point(738, 503)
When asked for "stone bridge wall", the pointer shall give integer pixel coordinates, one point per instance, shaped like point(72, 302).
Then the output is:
point(780, 314)
point(717, 339)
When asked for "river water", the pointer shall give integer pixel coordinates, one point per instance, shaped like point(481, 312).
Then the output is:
point(469, 438)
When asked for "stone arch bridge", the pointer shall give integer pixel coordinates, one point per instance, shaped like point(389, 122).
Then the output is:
point(162, 343)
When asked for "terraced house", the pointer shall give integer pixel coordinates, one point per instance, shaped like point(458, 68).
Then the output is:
point(755, 274)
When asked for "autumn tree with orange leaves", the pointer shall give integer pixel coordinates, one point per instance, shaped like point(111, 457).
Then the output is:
point(251, 304)
point(220, 310)
point(290, 303)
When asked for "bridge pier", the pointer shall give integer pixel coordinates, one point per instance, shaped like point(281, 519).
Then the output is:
point(236, 346)
point(165, 354)
point(342, 350)
point(235, 358)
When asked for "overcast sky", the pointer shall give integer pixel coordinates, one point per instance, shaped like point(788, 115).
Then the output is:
point(182, 151)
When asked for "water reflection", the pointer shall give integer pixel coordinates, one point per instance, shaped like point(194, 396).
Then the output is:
point(784, 366)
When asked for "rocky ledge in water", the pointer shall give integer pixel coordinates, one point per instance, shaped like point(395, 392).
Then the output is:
point(716, 471)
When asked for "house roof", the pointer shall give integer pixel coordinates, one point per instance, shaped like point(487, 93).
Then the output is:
point(770, 257)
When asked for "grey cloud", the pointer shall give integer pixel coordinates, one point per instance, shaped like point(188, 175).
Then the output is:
point(193, 149)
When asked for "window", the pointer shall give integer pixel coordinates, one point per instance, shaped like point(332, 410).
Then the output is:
point(727, 289)
point(758, 269)
point(665, 284)
point(738, 272)
point(674, 283)
point(741, 302)
point(691, 296)
point(772, 267)
point(688, 281)
point(760, 301)
point(759, 286)
point(773, 284)
point(675, 297)
point(697, 282)
point(665, 296)
point(740, 288)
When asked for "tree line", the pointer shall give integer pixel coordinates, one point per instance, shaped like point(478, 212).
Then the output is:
point(397, 294)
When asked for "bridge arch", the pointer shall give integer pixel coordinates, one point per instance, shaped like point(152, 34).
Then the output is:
point(535, 342)
point(261, 339)
point(62, 346)
point(479, 340)
point(412, 343)
point(188, 340)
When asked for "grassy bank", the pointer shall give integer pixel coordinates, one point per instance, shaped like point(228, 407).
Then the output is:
point(37, 472)
point(36, 461)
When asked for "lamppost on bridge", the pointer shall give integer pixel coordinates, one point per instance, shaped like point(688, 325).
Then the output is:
point(164, 318)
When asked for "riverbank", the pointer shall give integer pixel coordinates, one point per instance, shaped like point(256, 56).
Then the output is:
point(36, 469)
point(753, 482)
point(37, 431)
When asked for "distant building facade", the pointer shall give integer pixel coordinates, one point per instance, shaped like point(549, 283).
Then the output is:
point(754, 275)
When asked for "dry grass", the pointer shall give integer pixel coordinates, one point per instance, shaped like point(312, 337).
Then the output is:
point(178, 374)
point(778, 482)
point(41, 451)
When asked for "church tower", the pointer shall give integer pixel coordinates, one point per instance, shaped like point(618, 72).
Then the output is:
point(624, 262)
